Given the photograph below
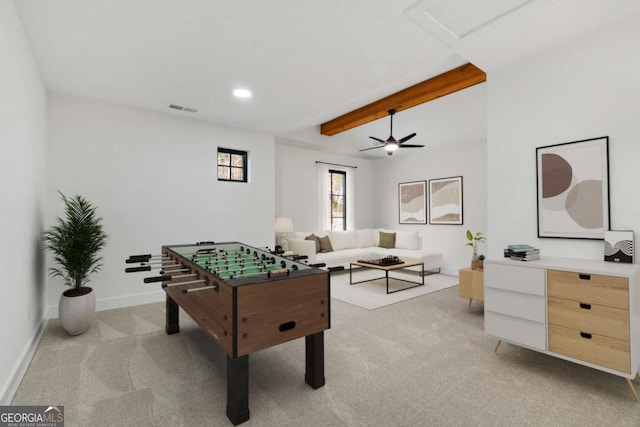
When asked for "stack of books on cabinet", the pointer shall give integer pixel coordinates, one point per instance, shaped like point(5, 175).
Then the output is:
point(521, 253)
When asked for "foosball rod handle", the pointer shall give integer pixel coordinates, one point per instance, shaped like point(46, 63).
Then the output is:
point(157, 279)
point(138, 258)
point(137, 269)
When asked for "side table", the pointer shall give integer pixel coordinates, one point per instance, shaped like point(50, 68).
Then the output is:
point(471, 285)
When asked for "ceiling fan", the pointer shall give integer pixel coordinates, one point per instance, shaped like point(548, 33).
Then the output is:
point(391, 145)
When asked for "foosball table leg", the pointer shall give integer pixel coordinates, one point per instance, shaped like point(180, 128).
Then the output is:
point(314, 349)
point(172, 325)
point(238, 389)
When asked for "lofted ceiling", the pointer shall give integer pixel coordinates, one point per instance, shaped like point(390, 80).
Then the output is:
point(306, 62)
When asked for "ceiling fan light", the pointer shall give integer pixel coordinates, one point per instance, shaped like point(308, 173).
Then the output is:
point(391, 147)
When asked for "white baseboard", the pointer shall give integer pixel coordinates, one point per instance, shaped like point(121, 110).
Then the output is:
point(450, 271)
point(117, 302)
point(14, 380)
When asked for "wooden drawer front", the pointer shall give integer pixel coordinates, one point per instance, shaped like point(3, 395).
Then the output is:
point(516, 304)
point(599, 319)
point(514, 278)
point(516, 330)
point(603, 351)
point(603, 290)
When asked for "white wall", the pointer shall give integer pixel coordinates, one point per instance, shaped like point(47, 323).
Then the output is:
point(466, 160)
point(22, 183)
point(297, 186)
point(153, 178)
point(586, 88)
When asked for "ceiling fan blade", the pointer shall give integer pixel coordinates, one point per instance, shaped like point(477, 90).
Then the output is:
point(410, 146)
point(406, 138)
point(377, 139)
point(372, 148)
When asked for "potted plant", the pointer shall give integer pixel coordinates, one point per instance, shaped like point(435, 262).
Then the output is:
point(481, 259)
point(75, 242)
point(474, 239)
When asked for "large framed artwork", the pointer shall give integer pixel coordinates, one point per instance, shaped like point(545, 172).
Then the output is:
point(412, 201)
point(445, 200)
point(573, 189)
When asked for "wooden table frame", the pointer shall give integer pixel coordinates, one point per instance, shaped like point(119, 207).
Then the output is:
point(386, 269)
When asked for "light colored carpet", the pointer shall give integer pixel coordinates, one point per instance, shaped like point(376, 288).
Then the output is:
point(372, 295)
point(421, 362)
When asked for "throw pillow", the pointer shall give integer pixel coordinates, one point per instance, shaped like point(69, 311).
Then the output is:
point(387, 240)
point(325, 244)
point(315, 239)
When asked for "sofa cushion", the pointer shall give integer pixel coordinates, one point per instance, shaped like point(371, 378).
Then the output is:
point(365, 238)
point(325, 244)
point(407, 239)
point(345, 256)
point(343, 239)
point(315, 239)
point(387, 240)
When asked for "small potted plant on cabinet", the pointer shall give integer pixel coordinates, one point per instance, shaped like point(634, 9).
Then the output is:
point(75, 242)
point(474, 239)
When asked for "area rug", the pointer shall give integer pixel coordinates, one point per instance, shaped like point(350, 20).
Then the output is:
point(372, 295)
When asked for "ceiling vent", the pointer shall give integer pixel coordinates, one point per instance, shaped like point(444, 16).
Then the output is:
point(181, 108)
point(453, 20)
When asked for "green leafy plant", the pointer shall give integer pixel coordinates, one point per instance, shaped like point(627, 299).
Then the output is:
point(481, 258)
point(76, 242)
point(474, 239)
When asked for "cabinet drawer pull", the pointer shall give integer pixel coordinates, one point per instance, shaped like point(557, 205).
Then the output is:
point(585, 335)
point(585, 306)
point(585, 276)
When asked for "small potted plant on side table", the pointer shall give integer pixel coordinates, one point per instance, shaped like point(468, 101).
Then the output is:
point(474, 239)
point(481, 262)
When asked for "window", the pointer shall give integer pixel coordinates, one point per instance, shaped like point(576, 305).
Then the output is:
point(232, 165)
point(338, 197)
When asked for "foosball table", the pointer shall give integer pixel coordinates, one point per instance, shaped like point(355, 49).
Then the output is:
point(246, 299)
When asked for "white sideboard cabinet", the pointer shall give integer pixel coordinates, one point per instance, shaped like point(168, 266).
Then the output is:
point(584, 311)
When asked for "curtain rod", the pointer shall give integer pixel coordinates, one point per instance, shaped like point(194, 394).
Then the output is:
point(336, 164)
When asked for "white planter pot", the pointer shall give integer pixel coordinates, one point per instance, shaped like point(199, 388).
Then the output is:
point(76, 312)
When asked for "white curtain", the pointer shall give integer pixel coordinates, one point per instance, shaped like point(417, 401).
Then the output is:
point(324, 189)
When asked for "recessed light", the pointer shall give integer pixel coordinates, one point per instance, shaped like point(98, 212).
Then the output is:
point(242, 93)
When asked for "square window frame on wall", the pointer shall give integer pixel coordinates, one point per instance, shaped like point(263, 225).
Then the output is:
point(244, 155)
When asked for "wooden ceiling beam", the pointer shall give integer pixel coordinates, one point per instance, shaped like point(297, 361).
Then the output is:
point(459, 78)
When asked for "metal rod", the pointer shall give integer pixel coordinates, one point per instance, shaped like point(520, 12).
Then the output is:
point(156, 262)
point(337, 164)
point(183, 275)
point(173, 271)
point(170, 285)
point(199, 289)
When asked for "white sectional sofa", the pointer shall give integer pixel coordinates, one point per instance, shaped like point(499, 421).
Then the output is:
point(354, 245)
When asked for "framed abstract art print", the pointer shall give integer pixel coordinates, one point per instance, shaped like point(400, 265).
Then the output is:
point(573, 189)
